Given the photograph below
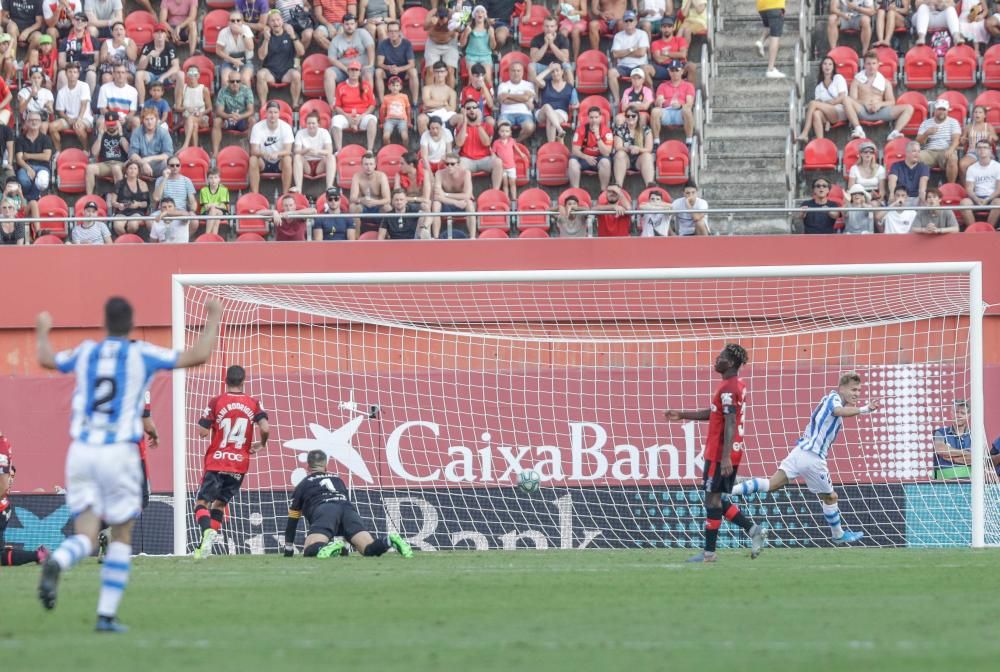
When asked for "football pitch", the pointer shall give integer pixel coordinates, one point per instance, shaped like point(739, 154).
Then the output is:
point(791, 609)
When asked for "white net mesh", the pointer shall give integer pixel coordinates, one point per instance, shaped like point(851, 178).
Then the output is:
point(477, 381)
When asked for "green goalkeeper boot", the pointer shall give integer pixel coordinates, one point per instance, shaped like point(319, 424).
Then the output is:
point(331, 549)
point(400, 545)
point(205, 548)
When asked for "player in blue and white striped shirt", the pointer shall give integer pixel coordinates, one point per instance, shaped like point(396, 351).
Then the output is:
point(103, 472)
point(808, 458)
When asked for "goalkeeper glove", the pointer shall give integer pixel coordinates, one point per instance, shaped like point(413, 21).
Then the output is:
point(289, 550)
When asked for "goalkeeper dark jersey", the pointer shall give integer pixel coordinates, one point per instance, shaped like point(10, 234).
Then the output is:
point(314, 491)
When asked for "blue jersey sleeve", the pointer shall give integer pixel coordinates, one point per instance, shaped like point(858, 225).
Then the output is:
point(156, 358)
point(67, 359)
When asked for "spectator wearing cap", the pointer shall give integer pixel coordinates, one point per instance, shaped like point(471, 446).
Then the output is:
point(394, 57)
point(674, 104)
point(312, 151)
point(234, 108)
point(591, 149)
point(26, 23)
point(630, 49)
point(330, 222)
point(103, 14)
point(182, 17)
point(479, 41)
point(8, 56)
point(36, 98)
point(33, 154)
point(354, 108)
point(868, 172)
point(158, 62)
point(72, 108)
point(558, 99)
point(44, 56)
point(79, 47)
point(442, 42)
point(395, 113)
point(234, 49)
point(517, 97)
point(131, 198)
point(110, 151)
point(58, 15)
point(938, 136)
point(195, 103)
point(572, 23)
point(349, 46)
point(550, 51)
point(605, 18)
point(179, 188)
point(982, 183)
point(375, 16)
point(439, 99)
point(271, 143)
point(858, 221)
point(254, 14)
point(151, 144)
point(670, 47)
point(278, 51)
point(637, 96)
point(473, 137)
point(90, 231)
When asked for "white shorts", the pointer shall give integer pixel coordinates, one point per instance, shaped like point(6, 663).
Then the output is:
point(106, 479)
point(510, 173)
point(341, 122)
point(811, 467)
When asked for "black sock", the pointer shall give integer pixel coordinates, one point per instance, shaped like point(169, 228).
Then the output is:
point(12, 557)
point(376, 548)
point(311, 550)
point(735, 516)
point(202, 517)
point(218, 515)
point(713, 520)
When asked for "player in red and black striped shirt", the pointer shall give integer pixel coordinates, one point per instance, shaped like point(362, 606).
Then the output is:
point(11, 556)
point(723, 452)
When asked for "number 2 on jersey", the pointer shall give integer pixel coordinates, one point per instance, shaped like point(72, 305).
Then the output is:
point(233, 433)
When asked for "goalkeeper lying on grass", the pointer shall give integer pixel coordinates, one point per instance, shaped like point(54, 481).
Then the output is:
point(322, 498)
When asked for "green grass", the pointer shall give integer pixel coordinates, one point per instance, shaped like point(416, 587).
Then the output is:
point(814, 610)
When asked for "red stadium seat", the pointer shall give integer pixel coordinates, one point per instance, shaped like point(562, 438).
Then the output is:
point(348, 163)
point(596, 101)
point(552, 162)
point(533, 233)
point(530, 25)
point(820, 154)
point(48, 239)
point(285, 112)
point(205, 66)
point(194, 165)
point(852, 154)
point(592, 72)
point(951, 193)
point(251, 204)
point(313, 71)
point(837, 196)
point(369, 235)
point(250, 237)
point(234, 167)
point(990, 68)
point(493, 200)
point(522, 163)
point(213, 24)
point(139, 26)
point(975, 227)
point(300, 201)
point(672, 159)
point(961, 67)
point(582, 196)
point(412, 24)
point(991, 101)
point(921, 108)
point(495, 234)
point(52, 205)
point(894, 150)
point(920, 68)
point(220, 4)
point(128, 239)
point(644, 196)
point(959, 106)
point(71, 167)
point(513, 57)
point(388, 160)
point(888, 63)
point(533, 200)
point(847, 62)
point(209, 238)
point(319, 106)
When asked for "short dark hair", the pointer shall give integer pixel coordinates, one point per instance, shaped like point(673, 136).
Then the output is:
point(932, 190)
point(316, 458)
point(410, 158)
point(478, 69)
point(118, 316)
point(595, 108)
point(235, 375)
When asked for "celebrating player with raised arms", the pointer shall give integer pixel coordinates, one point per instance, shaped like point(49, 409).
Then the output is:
point(723, 452)
point(12, 556)
point(323, 499)
point(808, 458)
point(103, 474)
point(229, 419)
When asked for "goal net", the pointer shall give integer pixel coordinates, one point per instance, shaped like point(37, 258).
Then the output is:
point(431, 393)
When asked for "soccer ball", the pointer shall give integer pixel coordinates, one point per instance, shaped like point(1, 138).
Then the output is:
point(529, 481)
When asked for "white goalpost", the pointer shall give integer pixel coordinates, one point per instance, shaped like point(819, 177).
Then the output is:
point(430, 392)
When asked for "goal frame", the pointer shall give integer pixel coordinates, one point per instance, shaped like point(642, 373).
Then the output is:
point(973, 269)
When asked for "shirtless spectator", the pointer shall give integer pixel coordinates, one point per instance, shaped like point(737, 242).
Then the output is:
point(630, 49)
point(871, 98)
point(855, 15)
point(517, 98)
point(473, 137)
point(369, 194)
point(442, 43)
point(394, 57)
point(982, 183)
point(592, 148)
point(938, 136)
point(453, 193)
point(605, 16)
point(937, 15)
point(439, 99)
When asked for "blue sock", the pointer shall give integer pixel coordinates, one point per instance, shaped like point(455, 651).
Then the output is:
point(751, 486)
point(72, 550)
point(114, 578)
